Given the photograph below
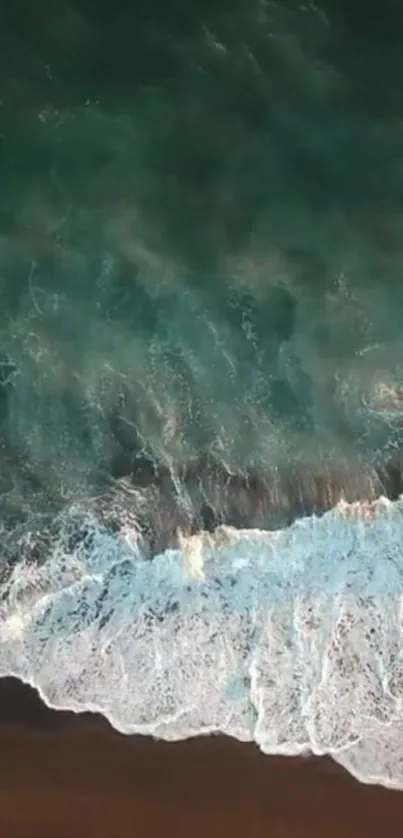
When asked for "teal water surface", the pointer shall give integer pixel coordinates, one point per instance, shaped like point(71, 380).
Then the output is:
point(200, 240)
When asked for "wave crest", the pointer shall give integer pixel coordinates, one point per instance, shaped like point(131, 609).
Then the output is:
point(291, 638)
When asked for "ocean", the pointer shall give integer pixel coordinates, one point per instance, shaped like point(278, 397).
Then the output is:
point(201, 379)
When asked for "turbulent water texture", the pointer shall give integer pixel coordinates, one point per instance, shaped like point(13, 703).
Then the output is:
point(200, 347)
point(291, 638)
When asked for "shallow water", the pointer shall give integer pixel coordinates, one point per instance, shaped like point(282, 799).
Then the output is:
point(289, 638)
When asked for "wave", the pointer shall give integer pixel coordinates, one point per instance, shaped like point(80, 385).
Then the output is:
point(290, 638)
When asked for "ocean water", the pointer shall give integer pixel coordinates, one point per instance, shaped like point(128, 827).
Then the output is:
point(201, 381)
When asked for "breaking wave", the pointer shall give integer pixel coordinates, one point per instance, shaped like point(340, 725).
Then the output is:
point(291, 638)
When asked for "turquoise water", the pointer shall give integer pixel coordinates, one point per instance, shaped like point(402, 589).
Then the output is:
point(200, 214)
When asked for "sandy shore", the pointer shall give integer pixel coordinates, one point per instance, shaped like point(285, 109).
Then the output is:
point(63, 776)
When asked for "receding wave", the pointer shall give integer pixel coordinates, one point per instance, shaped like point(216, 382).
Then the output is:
point(291, 638)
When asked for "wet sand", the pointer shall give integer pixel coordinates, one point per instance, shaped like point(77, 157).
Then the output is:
point(66, 776)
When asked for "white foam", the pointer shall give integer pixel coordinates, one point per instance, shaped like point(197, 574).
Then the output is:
point(291, 638)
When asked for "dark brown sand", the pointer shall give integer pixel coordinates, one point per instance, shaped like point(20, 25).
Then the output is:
point(65, 776)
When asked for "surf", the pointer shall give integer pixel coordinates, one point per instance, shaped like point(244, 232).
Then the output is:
point(290, 638)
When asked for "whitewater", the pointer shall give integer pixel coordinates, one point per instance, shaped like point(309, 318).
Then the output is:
point(289, 638)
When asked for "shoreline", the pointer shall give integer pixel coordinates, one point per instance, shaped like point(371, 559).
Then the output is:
point(65, 775)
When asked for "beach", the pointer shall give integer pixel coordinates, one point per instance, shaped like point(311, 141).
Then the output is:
point(201, 395)
point(63, 775)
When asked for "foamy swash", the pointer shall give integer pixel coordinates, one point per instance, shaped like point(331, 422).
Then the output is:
point(291, 638)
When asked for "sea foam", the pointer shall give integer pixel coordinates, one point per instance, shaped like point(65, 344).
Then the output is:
point(292, 638)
